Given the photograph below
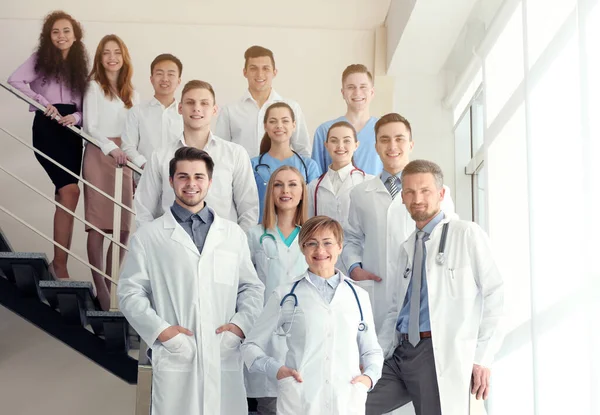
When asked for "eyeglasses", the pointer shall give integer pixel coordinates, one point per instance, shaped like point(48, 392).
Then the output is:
point(313, 245)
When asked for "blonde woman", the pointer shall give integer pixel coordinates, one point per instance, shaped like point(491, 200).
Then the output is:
point(278, 259)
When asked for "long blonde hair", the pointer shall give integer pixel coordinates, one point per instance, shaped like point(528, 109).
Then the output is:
point(270, 211)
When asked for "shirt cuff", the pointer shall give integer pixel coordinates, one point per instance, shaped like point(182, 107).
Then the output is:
point(356, 264)
point(371, 376)
point(42, 100)
point(77, 117)
point(272, 367)
point(108, 147)
point(139, 160)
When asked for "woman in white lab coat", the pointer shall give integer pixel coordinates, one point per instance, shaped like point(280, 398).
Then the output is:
point(330, 193)
point(328, 326)
point(278, 259)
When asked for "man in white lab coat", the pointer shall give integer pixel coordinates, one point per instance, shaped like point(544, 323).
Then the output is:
point(442, 331)
point(190, 290)
point(233, 194)
point(378, 222)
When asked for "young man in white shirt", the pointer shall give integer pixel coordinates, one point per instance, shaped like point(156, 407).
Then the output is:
point(242, 122)
point(157, 122)
point(233, 194)
point(358, 91)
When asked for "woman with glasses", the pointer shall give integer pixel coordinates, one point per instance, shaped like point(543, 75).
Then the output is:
point(278, 259)
point(276, 150)
point(333, 357)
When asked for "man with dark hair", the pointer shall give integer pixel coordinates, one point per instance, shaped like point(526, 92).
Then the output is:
point(441, 331)
point(189, 288)
point(242, 122)
point(157, 122)
point(233, 196)
point(378, 222)
point(358, 91)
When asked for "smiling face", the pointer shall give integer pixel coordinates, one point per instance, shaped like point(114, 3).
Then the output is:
point(358, 91)
point(421, 196)
point(62, 35)
point(341, 145)
point(280, 125)
point(321, 252)
point(190, 183)
point(260, 73)
point(112, 58)
point(287, 190)
point(165, 78)
point(197, 107)
point(393, 144)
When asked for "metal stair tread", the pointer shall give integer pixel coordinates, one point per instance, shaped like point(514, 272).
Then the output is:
point(66, 284)
point(25, 255)
point(100, 313)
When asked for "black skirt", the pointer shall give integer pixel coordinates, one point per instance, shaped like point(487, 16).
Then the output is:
point(60, 144)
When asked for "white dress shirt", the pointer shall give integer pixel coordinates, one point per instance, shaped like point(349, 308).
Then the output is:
point(104, 117)
point(243, 123)
point(233, 194)
point(338, 177)
point(150, 126)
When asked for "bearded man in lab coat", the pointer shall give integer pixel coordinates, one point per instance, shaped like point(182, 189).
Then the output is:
point(190, 290)
point(442, 331)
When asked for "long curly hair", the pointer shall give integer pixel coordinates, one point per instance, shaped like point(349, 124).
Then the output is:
point(124, 86)
point(74, 69)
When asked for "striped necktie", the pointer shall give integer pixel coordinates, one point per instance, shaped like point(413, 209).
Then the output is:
point(392, 187)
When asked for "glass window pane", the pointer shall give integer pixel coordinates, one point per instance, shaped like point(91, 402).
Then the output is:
point(504, 66)
point(479, 196)
point(544, 19)
point(477, 124)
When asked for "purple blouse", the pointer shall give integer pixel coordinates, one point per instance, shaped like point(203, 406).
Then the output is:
point(43, 90)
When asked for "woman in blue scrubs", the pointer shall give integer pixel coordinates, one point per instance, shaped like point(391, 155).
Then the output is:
point(276, 151)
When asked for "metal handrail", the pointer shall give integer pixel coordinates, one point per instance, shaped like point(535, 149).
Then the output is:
point(76, 130)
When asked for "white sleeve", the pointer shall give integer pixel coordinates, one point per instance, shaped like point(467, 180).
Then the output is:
point(131, 137)
point(245, 193)
point(354, 235)
point(135, 291)
point(94, 98)
point(148, 195)
point(300, 138)
point(311, 198)
point(223, 129)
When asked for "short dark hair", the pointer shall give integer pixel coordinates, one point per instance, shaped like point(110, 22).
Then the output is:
point(196, 84)
point(257, 52)
point(390, 118)
point(166, 57)
point(191, 154)
point(356, 68)
point(424, 166)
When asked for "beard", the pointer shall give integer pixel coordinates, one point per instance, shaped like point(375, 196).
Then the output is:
point(422, 215)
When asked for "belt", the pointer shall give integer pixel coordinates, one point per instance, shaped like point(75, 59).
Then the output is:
point(423, 335)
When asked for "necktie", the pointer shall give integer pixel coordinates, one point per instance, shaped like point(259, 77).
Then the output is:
point(391, 182)
point(415, 295)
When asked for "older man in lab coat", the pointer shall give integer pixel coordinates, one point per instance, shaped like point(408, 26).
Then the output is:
point(190, 290)
point(442, 331)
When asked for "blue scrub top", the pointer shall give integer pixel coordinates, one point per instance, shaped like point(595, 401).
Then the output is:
point(262, 173)
point(365, 158)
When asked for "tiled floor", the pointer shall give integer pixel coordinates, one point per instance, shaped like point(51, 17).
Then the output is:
point(40, 375)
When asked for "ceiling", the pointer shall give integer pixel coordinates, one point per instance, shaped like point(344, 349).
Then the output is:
point(310, 14)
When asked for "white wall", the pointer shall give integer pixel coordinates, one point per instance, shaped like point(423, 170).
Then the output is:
point(310, 63)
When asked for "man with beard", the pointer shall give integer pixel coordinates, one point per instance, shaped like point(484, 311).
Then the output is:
point(442, 331)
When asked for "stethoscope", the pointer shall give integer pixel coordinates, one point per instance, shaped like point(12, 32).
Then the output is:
point(440, 258)
point(261, 164)
point(362, 326)
point(321, 177)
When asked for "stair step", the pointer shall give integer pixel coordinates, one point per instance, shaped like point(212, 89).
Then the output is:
point(25, 270)
point(119, 336)
point(71, 298)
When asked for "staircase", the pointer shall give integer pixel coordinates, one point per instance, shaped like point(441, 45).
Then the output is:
point(68, 311)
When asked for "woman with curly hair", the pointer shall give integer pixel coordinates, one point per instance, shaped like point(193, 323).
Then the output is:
point(56, 77)
point(109, 96)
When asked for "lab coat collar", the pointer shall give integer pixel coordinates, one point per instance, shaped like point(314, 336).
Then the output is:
point(214, 237)
point(376, 185)
point(409, 244)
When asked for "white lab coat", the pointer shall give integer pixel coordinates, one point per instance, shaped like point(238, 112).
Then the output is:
point(377, 227)
point(164, 282)
point(466, 302)
point(275, 264)
point(233, 194)
point(324, 346)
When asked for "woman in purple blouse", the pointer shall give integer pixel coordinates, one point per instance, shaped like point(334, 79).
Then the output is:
point(55, 76)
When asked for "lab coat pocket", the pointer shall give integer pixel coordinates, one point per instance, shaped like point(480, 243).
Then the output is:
point(358, 399)
point(176, 354)
point(225, 267)
point(461, 282)
point(289, 401)
point(231, 358)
